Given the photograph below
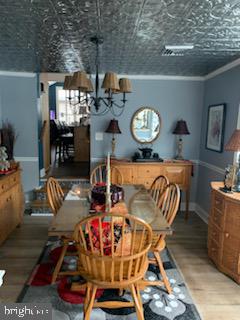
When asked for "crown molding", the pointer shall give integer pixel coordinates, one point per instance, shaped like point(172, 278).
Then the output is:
point(59, 77)
point(223, 69)
point(51, 76)
point(161, 77)
point(17, 74)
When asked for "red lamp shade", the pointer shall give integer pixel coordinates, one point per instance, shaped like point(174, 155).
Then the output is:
point(113, 127)
point(181, 128)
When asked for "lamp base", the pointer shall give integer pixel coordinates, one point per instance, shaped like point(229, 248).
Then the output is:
point(179, 157)
point(236, 187)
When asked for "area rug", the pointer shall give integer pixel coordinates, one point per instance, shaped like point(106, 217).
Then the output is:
point(68, 305)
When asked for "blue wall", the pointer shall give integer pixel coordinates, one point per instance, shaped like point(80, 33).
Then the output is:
point(223, 88)
point(18, 101)
point(174, 100)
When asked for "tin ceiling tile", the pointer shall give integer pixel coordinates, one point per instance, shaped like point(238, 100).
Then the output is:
point(53, 35)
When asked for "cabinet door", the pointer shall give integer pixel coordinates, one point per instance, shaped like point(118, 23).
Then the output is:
point(231, 254)
point(6, 215)
point(147, 182)
point(232, 218)
point(17, 204)
point(128, 174)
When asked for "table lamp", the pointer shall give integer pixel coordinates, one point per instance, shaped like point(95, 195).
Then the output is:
point(113, 128)
point(234, 145)
point(180, 129)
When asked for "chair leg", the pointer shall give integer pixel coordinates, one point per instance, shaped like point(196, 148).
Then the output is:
point(88, 308)
point(137, 302)
point(59, 264)
point(162, 271)
point(87, 297)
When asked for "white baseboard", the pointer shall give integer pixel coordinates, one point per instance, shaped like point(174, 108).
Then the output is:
point(201, 213)
point(191, 206)
point(196, 208)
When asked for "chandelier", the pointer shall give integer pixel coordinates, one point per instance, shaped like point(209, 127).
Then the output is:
point(80, 92)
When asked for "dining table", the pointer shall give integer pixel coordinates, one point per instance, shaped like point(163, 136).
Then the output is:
point(137, 199)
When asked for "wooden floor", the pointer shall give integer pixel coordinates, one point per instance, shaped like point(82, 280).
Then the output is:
point(69, 170)
point(217, 297)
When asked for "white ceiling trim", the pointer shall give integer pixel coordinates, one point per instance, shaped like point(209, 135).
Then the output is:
point(161, 77)
point(223, 69)
point(17, 74)
point(60, 77)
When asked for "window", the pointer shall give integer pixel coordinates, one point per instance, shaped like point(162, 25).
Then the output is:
point(66, 112)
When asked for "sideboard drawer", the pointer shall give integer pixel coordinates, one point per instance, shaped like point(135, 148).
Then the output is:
point(214, 233)
point(10, 181)
point(217, 217)
point(146, 171)
point(176, 174)
point(213, 251)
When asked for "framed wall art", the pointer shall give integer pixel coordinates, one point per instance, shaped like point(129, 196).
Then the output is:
point(215, 127)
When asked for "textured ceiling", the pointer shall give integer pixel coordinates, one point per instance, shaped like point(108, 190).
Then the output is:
point(53, 35)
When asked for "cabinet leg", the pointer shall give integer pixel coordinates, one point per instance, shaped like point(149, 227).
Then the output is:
point(187, 205)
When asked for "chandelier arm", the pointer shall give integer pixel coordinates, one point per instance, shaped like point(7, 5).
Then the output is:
point(116, 114)
point(119, 106)
point(100, 113)
point(80, 101)
point(106, 102)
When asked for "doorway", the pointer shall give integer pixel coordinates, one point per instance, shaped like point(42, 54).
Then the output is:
point(68, 135)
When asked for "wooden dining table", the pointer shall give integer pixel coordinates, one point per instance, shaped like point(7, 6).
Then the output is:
point(136, 198)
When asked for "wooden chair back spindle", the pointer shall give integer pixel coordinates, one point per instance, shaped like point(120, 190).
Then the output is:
point(169, 205)
point(157, 188)
point(99, 174)
point(107, 263)
point(55, 194)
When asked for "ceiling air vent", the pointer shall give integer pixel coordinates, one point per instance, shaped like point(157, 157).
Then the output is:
point(175, 51)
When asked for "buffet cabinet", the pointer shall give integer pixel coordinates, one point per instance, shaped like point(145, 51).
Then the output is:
point(11, 203)
point(223, 231)
point(178, 172)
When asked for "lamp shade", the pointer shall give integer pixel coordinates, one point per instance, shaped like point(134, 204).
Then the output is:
point(181, 128)
point(67, 81)
point(90, 86)
point(110, 81)
point(234, 142)
point(113, 127)
point(80, 80)
point(125, 85)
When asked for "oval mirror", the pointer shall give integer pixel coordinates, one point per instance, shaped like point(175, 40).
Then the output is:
point(146, 125)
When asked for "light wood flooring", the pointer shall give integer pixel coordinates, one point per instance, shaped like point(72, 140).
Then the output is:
point(216, 296)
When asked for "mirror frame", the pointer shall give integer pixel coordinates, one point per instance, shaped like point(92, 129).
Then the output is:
point(132, 131)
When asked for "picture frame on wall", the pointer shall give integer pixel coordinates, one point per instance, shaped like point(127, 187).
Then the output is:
point(215, 127)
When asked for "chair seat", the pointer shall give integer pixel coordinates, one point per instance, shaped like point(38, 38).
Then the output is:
point(106, 283)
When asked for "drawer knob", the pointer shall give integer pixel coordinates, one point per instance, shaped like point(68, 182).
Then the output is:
point(227, 235)
point(213, 249)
